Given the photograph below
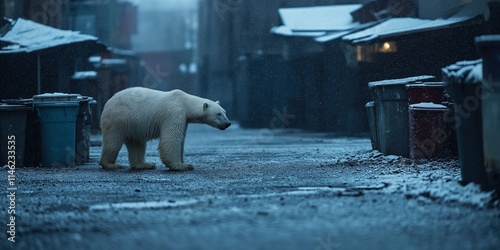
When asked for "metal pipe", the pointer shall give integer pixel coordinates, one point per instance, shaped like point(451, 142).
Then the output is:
point(39, 83)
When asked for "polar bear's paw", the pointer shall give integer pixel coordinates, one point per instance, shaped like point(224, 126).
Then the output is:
point(143, 166)
point(111, 166)
point(180, 167)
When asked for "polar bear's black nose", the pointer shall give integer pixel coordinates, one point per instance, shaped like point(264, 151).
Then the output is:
point(225, 126)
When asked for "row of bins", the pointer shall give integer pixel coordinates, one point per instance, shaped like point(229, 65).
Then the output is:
point(417, 117)
point(410, 118)
point(50, 130)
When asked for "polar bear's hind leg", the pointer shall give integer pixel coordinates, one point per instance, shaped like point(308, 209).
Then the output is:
point(111, 145)
point(137, 154)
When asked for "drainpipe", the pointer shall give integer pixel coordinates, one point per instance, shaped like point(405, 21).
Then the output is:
point(38, 73)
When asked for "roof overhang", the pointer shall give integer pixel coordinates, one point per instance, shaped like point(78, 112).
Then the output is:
point(327, 23)
point(475, 12)
point(25, 36)
point(330, 21)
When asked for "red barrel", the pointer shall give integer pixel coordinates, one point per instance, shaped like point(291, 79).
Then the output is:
point(425, 92)
point(427, 129)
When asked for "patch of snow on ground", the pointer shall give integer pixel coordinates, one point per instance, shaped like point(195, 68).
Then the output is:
point(435, 180)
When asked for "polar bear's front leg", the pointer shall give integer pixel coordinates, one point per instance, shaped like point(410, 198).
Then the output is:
point(171, 147)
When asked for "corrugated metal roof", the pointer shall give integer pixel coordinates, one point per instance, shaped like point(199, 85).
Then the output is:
point(28, 36)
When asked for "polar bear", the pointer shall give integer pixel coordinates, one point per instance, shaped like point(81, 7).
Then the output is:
point(136, 115)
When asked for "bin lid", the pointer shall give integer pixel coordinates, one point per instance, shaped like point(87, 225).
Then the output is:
point(370, 104)
point(24, 102)
point(488, 40)
point(13, 107)
point(425, 85)
point(56, 97)
point(427, 105)
point(56, 104)
point(463, 72)
point(402, 81)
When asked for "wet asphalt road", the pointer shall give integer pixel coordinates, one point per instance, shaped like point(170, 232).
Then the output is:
point(251, 189)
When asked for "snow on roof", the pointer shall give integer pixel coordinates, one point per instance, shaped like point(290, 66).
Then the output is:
point(287, 31)
point(336, 35)
point(114, 61)
point(95, 59)
point(28, 36)
point(401, 26)
point(327, 23)
point(320, 18)
point(80, 75)
point(402, 81)
point(317, 21)
point(331, 36)
point(464, 72)
point(386, 27)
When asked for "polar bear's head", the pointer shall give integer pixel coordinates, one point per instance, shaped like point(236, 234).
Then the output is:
point(215, 116)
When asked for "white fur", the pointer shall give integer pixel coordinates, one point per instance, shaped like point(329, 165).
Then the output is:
point(135, 115)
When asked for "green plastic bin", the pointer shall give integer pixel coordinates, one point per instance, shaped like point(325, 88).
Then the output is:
point(58, 126)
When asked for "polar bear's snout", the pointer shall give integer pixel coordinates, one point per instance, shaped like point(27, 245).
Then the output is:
point(222, 122)
point(224, 126)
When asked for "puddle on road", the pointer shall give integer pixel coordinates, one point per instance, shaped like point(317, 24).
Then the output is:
point(302, 191)
point(295, 192)
point(143, 205)
point(317, 189)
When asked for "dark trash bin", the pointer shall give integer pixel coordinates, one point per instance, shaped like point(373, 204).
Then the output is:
point(32, 154)
point(392, 113)
point(451, 146)
point(83, 129)
point(463, 82)
point(425, 92)
point(13, 120)
point(82, 139)
point(428, 133)
point(489, 48)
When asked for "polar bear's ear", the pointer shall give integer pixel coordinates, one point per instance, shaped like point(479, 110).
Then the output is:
point(217, 102)
point(205, 106)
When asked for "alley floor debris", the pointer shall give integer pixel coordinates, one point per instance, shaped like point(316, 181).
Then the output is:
point(255, 189)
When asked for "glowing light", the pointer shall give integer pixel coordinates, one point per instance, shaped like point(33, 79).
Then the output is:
point(386, 46)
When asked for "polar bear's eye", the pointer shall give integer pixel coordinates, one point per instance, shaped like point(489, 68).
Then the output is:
point(219, 113)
